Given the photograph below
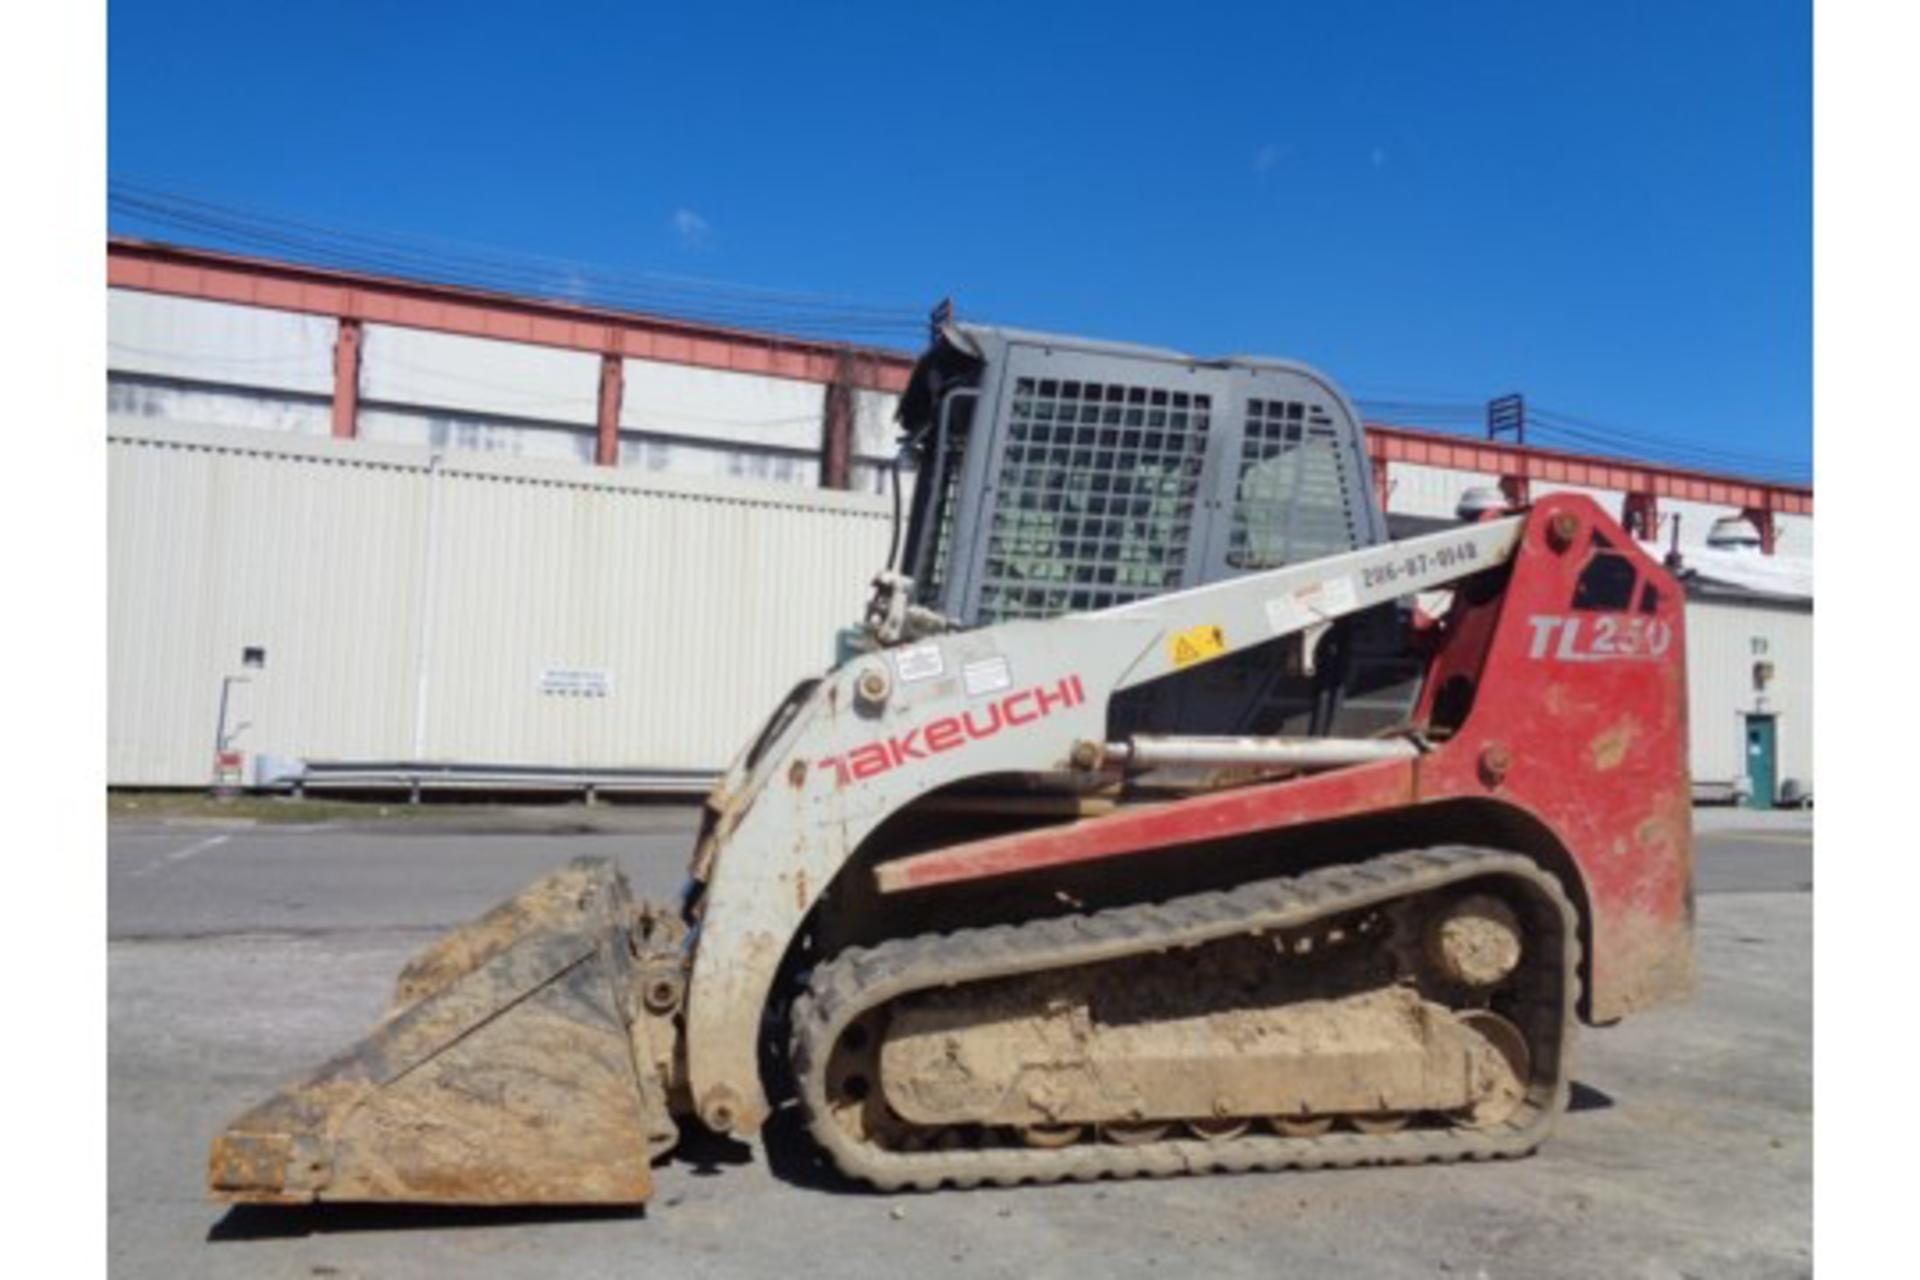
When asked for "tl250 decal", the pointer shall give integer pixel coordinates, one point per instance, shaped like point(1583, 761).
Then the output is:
point(950, 733)
point(1599, 637)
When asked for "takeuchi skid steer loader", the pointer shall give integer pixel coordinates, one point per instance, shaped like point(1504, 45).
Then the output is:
point(1163, 816)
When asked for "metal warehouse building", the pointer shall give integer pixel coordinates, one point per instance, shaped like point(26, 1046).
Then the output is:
point(401, 532)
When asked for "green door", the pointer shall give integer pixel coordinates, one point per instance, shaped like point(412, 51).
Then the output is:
point(1761, 757)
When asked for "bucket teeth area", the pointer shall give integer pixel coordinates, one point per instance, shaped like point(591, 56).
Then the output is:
point(513, 1068)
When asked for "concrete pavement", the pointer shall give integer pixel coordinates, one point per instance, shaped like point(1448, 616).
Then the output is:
point(241, 957)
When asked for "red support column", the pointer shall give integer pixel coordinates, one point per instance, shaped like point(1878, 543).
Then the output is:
point(613, 385)
point(346, 379)
point(1640, 516)
point(1762, 518)
point(836, 435)
point(1381, 486)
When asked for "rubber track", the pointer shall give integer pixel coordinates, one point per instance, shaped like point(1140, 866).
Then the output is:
point(864, 978)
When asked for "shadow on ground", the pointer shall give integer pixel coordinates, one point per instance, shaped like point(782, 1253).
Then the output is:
point(286, 1222)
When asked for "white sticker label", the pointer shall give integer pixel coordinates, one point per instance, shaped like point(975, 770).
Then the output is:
point(921, 662)
point(987, 675)
point(1317, 603)
point(576, 682)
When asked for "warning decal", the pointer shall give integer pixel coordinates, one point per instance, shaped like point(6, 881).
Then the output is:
point(1310, 604)
point(921, 662)
point(1196, 644)
point(986, 675)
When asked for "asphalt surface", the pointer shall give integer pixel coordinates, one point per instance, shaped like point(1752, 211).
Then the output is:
point(240, 957)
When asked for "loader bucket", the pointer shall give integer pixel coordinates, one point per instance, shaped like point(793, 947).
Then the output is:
point(512, 1069)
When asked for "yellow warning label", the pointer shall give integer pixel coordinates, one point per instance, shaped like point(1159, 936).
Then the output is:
point(1197, 645)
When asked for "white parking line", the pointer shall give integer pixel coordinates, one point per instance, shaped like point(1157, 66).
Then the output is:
point(181, 855)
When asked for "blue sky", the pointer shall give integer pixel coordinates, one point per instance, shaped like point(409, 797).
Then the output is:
point(1606, 206)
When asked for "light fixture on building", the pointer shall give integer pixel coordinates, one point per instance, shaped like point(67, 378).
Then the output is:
point(1479, 501)
point(1733, 533)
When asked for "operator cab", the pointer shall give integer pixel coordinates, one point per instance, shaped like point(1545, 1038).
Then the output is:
point(1056, 475)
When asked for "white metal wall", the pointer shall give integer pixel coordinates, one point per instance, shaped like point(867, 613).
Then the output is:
point(194, 362)
point(1724, 640)
point(1431, 491)
point(409, 608)
point(696, 586)
point(217, 342)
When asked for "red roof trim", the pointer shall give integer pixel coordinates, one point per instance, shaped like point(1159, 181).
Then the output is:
point(478, 313)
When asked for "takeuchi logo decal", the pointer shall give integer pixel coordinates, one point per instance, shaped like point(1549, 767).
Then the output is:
point(950, 733)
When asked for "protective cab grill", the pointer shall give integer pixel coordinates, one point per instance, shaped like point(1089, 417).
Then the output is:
point(1095, 496)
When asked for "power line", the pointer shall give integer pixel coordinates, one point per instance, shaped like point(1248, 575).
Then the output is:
point(1581, 426)
point(146, 202)
point(1704, 456)
point(514, 258)
point(318, 244)
point(1554, 427)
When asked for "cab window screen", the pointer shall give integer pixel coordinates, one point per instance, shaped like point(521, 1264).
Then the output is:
point(1292, 502)
point(1095, 496)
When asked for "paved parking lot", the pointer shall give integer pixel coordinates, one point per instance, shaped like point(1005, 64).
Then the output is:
point(241, 956)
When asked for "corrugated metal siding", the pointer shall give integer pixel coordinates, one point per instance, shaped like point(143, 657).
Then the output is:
point(159, 336)
point(1794, 534)
point(702, 601)
point(1720, 658)
point(447, 429)
point(717, 461)
point(478, 377)
point(1431, 491)
point(1609, 499)
point(139, 396)
point(714, 404)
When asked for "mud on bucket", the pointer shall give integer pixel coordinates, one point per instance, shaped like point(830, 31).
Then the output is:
point(516, 1066)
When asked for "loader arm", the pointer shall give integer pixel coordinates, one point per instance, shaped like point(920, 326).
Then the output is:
point(889, 727)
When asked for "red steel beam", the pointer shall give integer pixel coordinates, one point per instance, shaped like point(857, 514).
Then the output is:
point(613, 385)
point(836, 430)
point(346, 379)
point(1420, 448)
point(1762, 518)
point(1640, 516)
point(478, 313)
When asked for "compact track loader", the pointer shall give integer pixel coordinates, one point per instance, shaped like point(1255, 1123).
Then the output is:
point(1163, 816)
